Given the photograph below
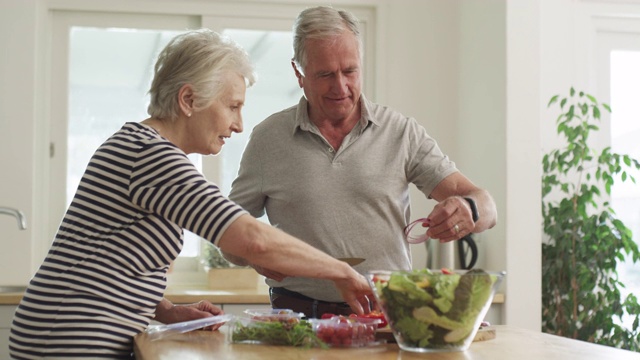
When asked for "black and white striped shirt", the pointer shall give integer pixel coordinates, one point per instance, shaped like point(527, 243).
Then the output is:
point(105, 272)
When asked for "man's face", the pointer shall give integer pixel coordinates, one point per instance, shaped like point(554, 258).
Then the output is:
point(332, 81)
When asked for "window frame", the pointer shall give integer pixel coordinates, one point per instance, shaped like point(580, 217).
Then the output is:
point(167, 15)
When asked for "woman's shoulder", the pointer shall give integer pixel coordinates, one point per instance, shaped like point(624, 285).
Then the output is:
point(137, 135)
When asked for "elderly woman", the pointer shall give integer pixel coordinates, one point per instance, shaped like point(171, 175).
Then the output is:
point(104, 277)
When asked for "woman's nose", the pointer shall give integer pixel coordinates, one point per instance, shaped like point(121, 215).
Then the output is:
point(237, 125)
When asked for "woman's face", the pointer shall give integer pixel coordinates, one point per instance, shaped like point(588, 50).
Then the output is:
point(209, 127)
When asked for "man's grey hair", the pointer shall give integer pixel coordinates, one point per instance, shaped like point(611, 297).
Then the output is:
point(321, 22)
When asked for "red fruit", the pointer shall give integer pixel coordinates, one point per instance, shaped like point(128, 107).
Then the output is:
point(375, 315)
point(328, 331)
point(343, 332)
point(335, 341)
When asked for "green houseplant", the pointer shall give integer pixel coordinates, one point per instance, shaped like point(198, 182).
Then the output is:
point(581, 295)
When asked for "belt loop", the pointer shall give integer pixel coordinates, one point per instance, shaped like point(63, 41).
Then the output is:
point(314, 309)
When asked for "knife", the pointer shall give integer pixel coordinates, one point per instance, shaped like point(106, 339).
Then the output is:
point(352, 261)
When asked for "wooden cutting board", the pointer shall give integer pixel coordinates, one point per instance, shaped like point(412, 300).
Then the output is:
point(483, 334)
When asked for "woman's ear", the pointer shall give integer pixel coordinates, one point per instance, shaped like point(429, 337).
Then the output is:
point(185, 99)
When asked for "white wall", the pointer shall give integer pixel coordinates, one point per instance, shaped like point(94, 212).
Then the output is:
point(523, 165)
point(462, 68)
point(420, 51)
point(18, 33)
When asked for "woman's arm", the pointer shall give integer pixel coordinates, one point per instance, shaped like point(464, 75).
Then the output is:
point(273, 249)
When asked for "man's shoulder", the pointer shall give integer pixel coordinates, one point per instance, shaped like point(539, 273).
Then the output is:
point(386, 116)
point(284, 119)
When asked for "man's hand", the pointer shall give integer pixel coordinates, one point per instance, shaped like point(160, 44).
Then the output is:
point(451, 219)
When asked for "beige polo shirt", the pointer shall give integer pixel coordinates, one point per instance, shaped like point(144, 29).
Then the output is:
point(349, 202)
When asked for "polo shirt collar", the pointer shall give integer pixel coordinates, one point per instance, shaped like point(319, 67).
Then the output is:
point(303, 122)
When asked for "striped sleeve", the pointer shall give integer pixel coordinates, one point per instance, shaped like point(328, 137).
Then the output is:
point(166, 183)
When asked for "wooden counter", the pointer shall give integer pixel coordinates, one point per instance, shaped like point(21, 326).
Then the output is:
point(510, 343)
point(10, 298)
point(258, 295)
point(186, 296)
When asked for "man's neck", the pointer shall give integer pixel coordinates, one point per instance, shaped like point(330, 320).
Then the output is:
point(335, 130)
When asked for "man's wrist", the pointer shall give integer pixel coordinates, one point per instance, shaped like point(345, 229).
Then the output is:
point(474, 209)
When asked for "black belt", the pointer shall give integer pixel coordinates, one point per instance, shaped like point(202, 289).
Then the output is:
point(282, 298)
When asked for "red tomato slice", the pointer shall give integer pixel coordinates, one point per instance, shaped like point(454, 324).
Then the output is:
point(375, 314)
point(446, 271)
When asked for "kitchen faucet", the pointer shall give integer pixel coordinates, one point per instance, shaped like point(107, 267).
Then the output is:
point(22, 220)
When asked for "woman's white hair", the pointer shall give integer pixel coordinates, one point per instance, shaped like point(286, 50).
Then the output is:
point(201, 58)
point(321, 22)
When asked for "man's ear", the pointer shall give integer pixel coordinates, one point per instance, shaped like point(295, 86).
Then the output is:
point(185, 99)
point(298, 74)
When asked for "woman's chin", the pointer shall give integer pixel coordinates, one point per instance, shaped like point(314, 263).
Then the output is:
point(215, 150)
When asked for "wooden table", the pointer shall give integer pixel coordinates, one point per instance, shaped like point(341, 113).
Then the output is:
point(511, 343)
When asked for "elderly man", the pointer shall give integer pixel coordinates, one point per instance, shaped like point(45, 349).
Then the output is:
point(335, 169)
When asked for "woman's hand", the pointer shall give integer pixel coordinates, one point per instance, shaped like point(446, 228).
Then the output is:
point(168, 313)
point(356, 292)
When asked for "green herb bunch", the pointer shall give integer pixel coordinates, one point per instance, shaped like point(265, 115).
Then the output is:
point(581, 295)
point(299, 333)
point(212, 257)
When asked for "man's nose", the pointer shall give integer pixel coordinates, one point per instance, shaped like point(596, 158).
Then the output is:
point(340, 83)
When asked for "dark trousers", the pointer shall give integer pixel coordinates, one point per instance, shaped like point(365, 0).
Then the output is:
point(282, 298)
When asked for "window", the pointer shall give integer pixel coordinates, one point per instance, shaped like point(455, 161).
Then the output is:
point(109, 72)
point(618, 78)
point(101, 70)
point(625, 132)
point(106, 90)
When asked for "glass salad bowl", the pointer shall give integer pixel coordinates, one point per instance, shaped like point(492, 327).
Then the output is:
point(434, 310)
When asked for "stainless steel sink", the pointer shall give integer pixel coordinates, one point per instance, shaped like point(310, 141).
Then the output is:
point(12, 289)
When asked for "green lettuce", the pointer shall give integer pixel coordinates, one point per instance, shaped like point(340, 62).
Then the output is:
point(471, 295)
point(444, 289)
point(414, 331)
point(402, 283)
